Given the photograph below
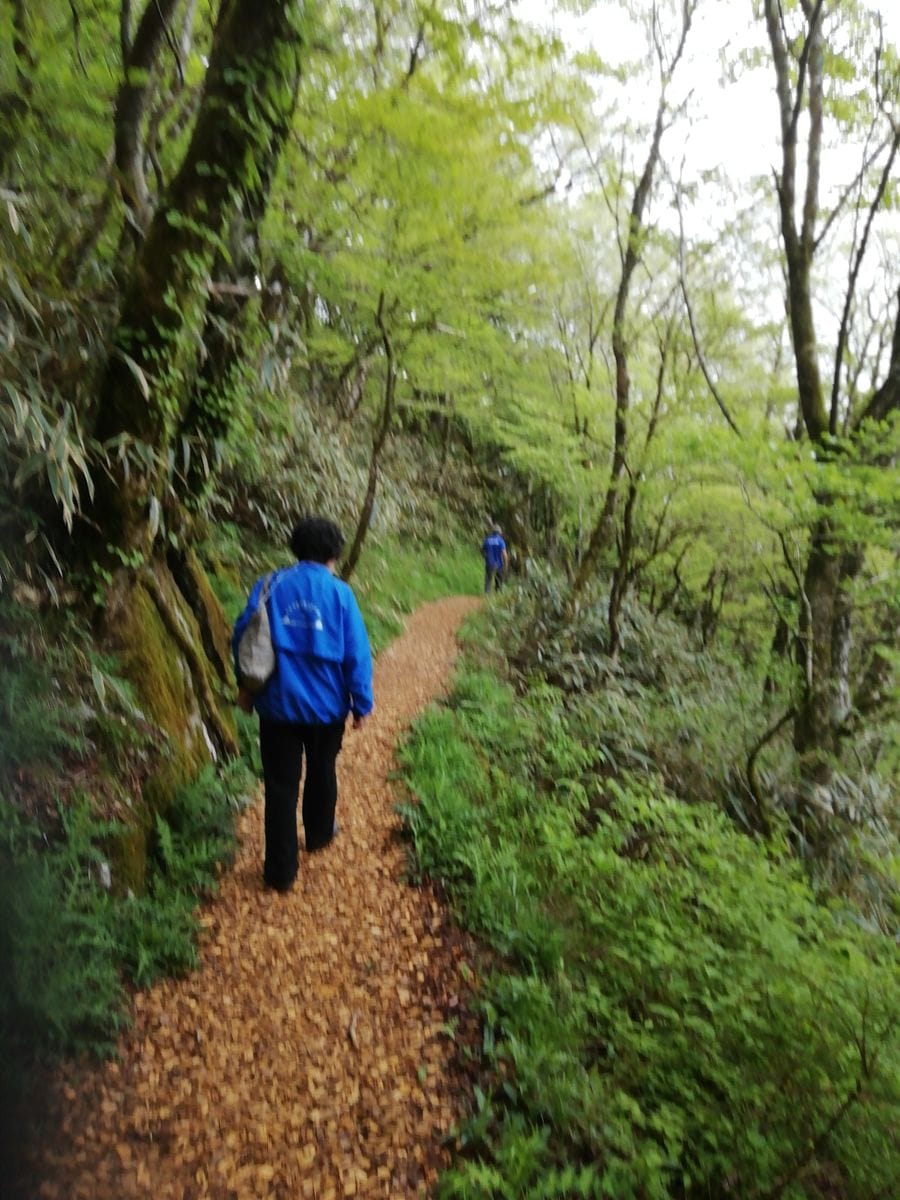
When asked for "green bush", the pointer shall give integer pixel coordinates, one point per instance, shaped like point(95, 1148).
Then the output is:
point(675, 1014)
point(68, 940)
point(59, 980)
point(39, 717)
point(395, 576)
point(689, 713)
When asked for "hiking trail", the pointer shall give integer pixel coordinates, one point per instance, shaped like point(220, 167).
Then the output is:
point(309, 1054)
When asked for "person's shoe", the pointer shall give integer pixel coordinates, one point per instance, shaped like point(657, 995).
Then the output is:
point(275, 886)
point(324, 845)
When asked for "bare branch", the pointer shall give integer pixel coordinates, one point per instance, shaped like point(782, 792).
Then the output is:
point(816, 122)
point(852, 281)
point(76, 34)
point(415, 56)
point(752, 778)
point(595, 168)
point(804, 600)
point(125, 30)
point(887, 397)
point(710, 382)
point(853, 186)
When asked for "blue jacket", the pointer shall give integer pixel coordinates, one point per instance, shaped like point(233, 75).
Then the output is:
point(324, 664)
point(493, 548)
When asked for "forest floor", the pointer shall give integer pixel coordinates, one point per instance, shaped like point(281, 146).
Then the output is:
point(315, 1053)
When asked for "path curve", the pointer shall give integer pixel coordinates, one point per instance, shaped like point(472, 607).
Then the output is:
point(308, 1057)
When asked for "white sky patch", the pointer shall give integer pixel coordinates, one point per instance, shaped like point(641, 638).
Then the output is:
point(733, 124)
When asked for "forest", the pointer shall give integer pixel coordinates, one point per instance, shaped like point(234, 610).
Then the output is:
point(620, 276)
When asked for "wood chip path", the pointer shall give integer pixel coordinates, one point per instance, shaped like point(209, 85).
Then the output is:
point(309, 1056)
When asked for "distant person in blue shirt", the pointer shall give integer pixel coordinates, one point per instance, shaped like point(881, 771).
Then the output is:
point(496, 559)
point(323, 674)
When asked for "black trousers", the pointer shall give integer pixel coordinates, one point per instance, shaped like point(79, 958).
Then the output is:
point(493, 578)
point(282, 746)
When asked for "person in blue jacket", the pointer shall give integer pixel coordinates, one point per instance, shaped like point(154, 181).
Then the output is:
point(496, 559)
point(323, 674)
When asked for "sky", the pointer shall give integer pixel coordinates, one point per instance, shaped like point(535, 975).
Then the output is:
point(733, 126)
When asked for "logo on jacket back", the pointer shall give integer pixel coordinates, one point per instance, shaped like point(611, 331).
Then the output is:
point(303, 614)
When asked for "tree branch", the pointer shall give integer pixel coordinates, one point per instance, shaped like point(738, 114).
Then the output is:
point(852, 281)
point(131, 106)
point(710, 382)
point(378, 442)
point(886, 398)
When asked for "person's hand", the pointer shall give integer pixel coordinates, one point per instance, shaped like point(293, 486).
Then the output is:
point(244, 700)
point(359, 721)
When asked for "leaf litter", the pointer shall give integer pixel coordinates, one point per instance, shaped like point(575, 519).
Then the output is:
point(309, 1056)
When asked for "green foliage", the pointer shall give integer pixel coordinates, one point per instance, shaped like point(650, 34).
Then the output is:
point(70, 939)
point(693, 716)
point(674, 1014)
point(61, 702)
point(157, 932)
point(39, 724)
point(196, 836)
point(663, 703)
point(76, 750)
point(467, 178)
point(60, 985)
point(397, 574)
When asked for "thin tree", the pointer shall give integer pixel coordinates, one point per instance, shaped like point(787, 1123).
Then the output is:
point(631, 248)
point(832, 561)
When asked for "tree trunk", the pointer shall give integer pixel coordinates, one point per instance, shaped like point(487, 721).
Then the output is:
point(238, 275)
point(243, 120)
point(825, 624)
point(160, 614)
point(381, 435)
point(625, 569)
point(602, 535)
point(622, 573)
point(825, 639)
point(132, 102)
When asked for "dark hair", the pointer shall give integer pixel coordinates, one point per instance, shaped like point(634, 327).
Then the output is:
point(316, 539)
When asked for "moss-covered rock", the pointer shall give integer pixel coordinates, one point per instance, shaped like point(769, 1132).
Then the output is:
point(162, 651)
point(214, 628)
point(129, 852)
point(154, 663)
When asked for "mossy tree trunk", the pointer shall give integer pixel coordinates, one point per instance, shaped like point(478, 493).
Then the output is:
point(162, 385)
point(153, 367)
point(139, 57)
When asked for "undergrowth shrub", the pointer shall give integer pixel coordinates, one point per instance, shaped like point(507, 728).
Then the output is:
point(672, 1013)
point(663, 702)
point(693, 716)
point(69, 941)
point(74, 751)
point(40, 719)
point(262, 491)
point(59, 986)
